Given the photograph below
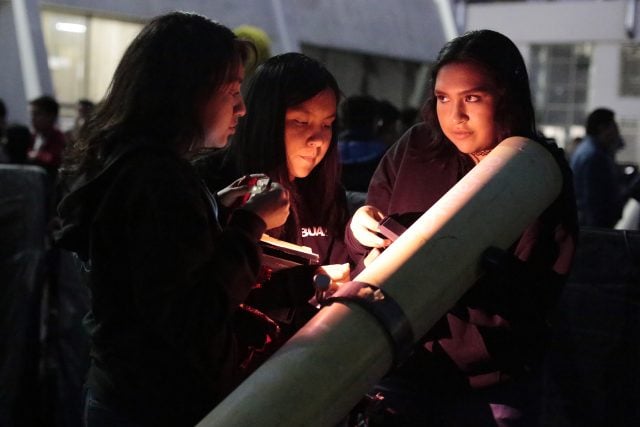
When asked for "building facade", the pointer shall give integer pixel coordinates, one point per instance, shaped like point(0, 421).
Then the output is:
point(69, 48)
point(581, 54)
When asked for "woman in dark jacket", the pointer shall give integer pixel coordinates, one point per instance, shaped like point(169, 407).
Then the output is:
point(166, 279)
point(479, 364)
point(289, 135)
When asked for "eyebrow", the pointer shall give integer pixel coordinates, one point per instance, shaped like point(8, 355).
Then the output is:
point(482, 89)
point(299, 109)
point(230, 83)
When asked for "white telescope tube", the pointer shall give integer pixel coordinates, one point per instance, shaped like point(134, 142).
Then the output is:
point(327, 367)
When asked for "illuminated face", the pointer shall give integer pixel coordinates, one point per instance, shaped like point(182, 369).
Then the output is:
point(222, 111)
point(466, 104)
point(307, 132)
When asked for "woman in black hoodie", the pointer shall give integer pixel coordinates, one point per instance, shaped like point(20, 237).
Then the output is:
point(166, 279)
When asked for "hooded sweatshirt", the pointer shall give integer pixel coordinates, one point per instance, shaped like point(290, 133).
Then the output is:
point(165, 280)
point(496, 330)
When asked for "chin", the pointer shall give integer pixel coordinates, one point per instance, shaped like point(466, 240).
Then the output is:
point(217, 143)
point(465, 148)
point(302, 175)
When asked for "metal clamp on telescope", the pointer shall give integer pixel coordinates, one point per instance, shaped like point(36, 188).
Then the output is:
point(386, 311)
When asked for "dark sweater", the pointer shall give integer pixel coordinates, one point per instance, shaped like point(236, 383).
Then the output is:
point(496, 330)
point(165, 279)
point(291, 289)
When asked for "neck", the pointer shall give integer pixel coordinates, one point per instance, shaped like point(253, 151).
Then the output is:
point(476, 156)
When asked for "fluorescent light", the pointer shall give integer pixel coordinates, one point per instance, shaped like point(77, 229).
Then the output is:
point(71, 27)
point(59, 62)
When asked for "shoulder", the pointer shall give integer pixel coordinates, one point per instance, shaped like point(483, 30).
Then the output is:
point(418, 146)
point(146, 157)
point(419, 138)
point(216, 169)
point(588, 155)
point(585, 150)
point(143, 166)
point(57, 134)
point(55, 138)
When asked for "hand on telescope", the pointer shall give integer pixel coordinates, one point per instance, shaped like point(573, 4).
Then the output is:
point(328, 279)
point(338, 273)
point(364, 226)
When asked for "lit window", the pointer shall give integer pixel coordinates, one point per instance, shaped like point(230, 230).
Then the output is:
point(630, 70)
point(83, 52)
point(559, 83)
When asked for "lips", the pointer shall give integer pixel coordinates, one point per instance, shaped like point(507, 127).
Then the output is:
point(460, 131)
point(310, 159)
point(461, 134)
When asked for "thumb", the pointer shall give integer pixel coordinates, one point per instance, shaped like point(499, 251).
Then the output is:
point(228, 196)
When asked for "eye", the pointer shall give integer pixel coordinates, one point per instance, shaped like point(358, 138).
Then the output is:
point(442, 98)
point(233, 90)
point(472, 98)
point(300, 122)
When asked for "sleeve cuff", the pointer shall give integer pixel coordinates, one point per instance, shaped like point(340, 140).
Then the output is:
point(251, 223)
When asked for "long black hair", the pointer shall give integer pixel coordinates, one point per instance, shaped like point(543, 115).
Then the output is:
point(282, 82)
point(166, 75)
point(501, 59)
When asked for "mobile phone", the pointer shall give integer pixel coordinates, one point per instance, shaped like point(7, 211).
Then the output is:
point(390, 228)
point(260, 184)
point(257, 185)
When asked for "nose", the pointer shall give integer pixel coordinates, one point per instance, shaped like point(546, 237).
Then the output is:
point(317, 138)
point(240, 109)
point(460, 113)
point(314, 142)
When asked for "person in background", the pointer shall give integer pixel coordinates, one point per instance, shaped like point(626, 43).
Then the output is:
point(260, 40)
point(597, 178)
point(17, 143)
point(573, 146)
point(359, 146)
point(3, 124)
point(84, 108)
point(288, 134)
point(479, 364)
point(387, 128)
point(48, 141)
point(3, 117)
point(167, 280)
point(409, 116)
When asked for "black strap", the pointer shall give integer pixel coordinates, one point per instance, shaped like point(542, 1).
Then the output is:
point(385, 309)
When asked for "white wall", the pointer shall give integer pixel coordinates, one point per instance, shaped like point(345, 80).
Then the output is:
point(549, 22)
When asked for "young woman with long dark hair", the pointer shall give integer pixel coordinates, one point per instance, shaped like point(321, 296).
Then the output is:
point(166, 278)
point(479, 365)
point(289, 135)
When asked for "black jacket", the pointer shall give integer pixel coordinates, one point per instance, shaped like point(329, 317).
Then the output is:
point(165, 280)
